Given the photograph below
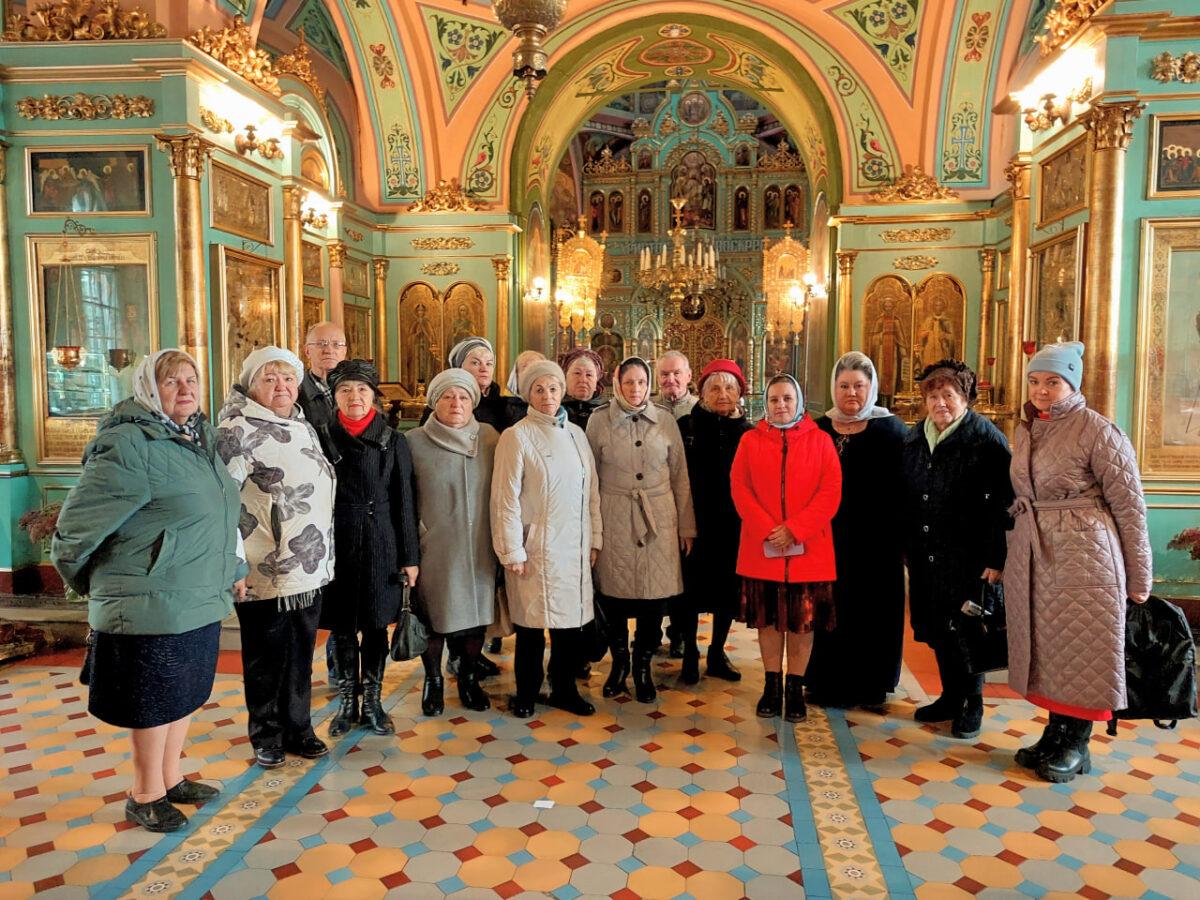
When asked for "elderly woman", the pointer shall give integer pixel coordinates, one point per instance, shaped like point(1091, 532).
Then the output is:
point(453, 455)
point(711, 434)
point(583, 368)
point(149, 534)
point(786, 485)
point(287, 488)
point(546, 531)
point(375, 529)
point(858, 662)
point(524, 359)
point(646, 505)
point(1078, 494)
point(955, 475)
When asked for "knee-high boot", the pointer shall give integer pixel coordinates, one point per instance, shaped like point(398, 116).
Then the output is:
point(374, 658)
point(346, 650)
point(643, 681)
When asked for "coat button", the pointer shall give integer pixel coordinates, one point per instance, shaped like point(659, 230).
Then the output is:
point(637, 443)
point(636, 418)
point(925, 528)
point(638, 476)
point(924, 496)
point(641, 543)
point(931, 559)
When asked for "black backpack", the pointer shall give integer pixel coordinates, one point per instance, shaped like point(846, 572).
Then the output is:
point(1160, 665)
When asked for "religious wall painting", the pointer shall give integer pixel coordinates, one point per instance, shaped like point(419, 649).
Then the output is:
point(645, 212)
point(772, 207)
point(887, 330)
point(616, 212)
point(739, 345)
point(239, 204)
point(1063, 183)
point(646, 339)
point(360, 337)
point(695, 179)
point(596, 212)
point(609, 344)
point(312, 313)
point(794, 212)
point(1167, 427)
point(645, 161)
point(88, 181)
point(939, 320)
point(695, 108)
point(356, 277)
point(564, 203)
point(701, 340)
point(310, 264)
point(962, 158)
point(462, 48)
point(741, 155)
point(250, 315)
point(464, 313)
point(1175, 159)
point(741, 209)
point(1056, 287)
point(421, 348)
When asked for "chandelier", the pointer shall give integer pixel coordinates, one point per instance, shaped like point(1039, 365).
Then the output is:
point(530, 21)
point(579, 270)
point(675, 268)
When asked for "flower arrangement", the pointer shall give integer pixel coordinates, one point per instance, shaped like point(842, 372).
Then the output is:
point(1188, 539)
point(39, 524)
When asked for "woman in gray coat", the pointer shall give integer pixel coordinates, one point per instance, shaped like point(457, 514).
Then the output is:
point(646, 505)
point(453, 455)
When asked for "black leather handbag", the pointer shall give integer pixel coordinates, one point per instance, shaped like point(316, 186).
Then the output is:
point(982, 631)
point(1160, 665)
point(409, 637)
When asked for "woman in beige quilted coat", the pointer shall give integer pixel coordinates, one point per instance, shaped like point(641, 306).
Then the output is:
point(646, 505)
point(1078, 550)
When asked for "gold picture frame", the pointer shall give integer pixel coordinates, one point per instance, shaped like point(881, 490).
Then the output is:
point(240, 204)
point(312, 313)
point(1003, 268)
point(360, 336)
point(1174, 126)
point(356, 277)
point(311, 264)
point(251, 312)
point(78, 181)
point(1167, 385)
point(1063, 182)
point(1056, 287)
point(73, 390)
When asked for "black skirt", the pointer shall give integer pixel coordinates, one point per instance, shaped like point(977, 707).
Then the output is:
point(796, 607)
point(147, 680)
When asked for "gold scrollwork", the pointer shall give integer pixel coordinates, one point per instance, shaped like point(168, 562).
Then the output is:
point(1066, 18)
point(607, 164)
point(913, 186)
point(234, 46)
point(299, 65)
point(914, 263)
point(215, 123)
point(75, 20)
point(85, 106)
point(442, 243)
point(782, 159)
point(439, 268)
point(448, 196)
point(1111, 124)
point(353, 234)
point(1186, 68)
point(915, 235)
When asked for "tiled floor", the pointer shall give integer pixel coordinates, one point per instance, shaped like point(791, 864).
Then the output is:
point(690, 797)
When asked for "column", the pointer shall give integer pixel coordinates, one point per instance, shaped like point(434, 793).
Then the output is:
point(1111, 127)
point(502, 265)
point(337, 262)
point(845, 300)
point(187, 154)
point(987, 268)
point(10, 453)
point(380, 268)
point(293, 266)
point(1013, 365)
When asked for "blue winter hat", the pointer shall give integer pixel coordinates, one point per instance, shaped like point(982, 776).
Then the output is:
point(1063, 359)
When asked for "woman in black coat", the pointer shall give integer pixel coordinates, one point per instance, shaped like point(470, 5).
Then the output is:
point(375, 541)
point(711, 434)
point(583, 368)
point(957, 494)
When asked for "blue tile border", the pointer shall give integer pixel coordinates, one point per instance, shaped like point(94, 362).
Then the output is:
point(804, 826)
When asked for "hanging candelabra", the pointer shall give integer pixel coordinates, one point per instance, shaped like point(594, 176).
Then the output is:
point(579, 270)
point(530, 21)
point(676, 268)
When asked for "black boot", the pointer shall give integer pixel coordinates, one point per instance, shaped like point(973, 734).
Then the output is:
point(335, 675)
point(678, 647)
point(374, 659)
point(944, 709)
point(485, 668)
point(770, 704)
point(433, 702)
point(719, 666)
point(643, 681)
point(620, 671)
point(349, 685)
point(1031, 757)
point(969, 722)
point(470, 693)
point(1070, 755)
point(689, 672)
point(793, 699)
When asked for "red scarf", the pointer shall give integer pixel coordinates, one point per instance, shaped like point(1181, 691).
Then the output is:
point(356, 428)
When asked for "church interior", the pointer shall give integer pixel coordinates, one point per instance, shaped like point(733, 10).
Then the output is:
point(770, 181)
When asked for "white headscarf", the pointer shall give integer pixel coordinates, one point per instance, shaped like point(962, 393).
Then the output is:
point(263, 355)
point(460, 351)
point(857, 361)
point(145, 385)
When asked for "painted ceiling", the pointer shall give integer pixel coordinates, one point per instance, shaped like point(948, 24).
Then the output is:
point(866, 87)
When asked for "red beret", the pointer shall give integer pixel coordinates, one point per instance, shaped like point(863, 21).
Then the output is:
point(723, 365)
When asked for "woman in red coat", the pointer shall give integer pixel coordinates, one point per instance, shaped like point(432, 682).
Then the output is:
point(786, 484)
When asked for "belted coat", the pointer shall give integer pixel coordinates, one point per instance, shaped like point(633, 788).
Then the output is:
point(1079, 547)
point(645, 501)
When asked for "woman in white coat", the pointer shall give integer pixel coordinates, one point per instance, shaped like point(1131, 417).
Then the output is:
point(546, 531)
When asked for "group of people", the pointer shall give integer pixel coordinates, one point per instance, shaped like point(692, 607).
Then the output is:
point(559, 511)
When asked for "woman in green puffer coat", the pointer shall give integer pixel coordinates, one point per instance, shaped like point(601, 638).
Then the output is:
point(150, 535)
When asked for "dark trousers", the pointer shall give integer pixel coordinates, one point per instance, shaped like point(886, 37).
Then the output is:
point(277, 654)
point(648, 615)
point(957, 682)
point(566, 651)
point(466, 645)
point(687, 622)
point(367, 651)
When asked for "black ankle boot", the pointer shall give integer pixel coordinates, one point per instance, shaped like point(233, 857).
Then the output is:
point(719, 666)
point(620, 671)
point(793, 699)
point(373, 715)
point(1031, 757)
point(643, 682)
point(470, 693)
point(349, 685)
point(770, 704)
point(433, 702)
point(944, 709)
point(689, 672)
point(969, 722)
point(1070, 755)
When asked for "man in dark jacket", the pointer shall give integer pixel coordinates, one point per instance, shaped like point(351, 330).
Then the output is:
point(324, 348)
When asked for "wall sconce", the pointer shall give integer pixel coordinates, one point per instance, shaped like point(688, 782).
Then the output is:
point(248, 142)
point(1050, 109)
point(536, 292)
point(314, 212)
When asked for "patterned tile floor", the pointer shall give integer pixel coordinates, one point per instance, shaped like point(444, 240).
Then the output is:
point(691, 797)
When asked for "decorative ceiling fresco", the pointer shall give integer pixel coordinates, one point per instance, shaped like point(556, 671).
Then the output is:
point(890, 28)
point(463, 47)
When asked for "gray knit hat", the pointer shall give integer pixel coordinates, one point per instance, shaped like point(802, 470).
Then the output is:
point(452, 378)
point(540, 369)
point(1064, 360)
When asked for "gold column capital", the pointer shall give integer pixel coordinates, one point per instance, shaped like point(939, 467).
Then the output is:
point(1017, 174)
point(845, 259)
point(501, 264)
point(987, 260)
point(1111, 124)
point(380, 267)
point(337, 254)
point(293, 199)
point(187, 153)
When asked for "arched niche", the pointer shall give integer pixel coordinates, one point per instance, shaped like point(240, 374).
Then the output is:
point(888, 333)
point(464, 313)
point(419, 315)
point(939, 320)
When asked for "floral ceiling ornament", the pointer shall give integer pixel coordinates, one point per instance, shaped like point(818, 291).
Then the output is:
point(911, 187)
point(234, 47)
point(1064, 20)
point(448, 196)
point(85, 106)
point(75, 20)
point(607, 164)
point(1166, 67)
point(299, 65)
point(530, 21)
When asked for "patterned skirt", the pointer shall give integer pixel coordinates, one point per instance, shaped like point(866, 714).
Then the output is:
point(795, 607)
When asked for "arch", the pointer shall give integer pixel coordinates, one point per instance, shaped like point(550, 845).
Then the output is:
point(312, 116)
point(939, 320)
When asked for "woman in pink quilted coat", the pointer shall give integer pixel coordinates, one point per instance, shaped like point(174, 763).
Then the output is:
point(1078, 551)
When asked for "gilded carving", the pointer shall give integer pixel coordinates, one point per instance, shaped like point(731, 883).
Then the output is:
point(299, 65)
point(915, 235)
point(501, 265)
point(1166, 67)
point(1063, 183)
point(353, 234)
point(234, 46)
point(783, 158)
point(75, 20)
point(607, 164)
point(380, 267)
point(337, 254)
point(442, 243)
point(85, 106)
point(214, 122)
point(1111, 124)
point(1064, 20)
point(448, 196)
point(187, 152)
point(913, 186)
point(439, 268)
point(914, 263)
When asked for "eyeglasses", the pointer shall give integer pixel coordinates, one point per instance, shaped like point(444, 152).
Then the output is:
point(325, 345)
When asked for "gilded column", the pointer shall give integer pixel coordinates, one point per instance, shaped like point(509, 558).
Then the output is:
point(1111, 127)
point(987, 268)
point(502, 266)
point(1013, 365)
point(187, 153)
point(380, 268)
point(337, 262)
point(10, 453)
point(293, 265)
point(845, 300)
